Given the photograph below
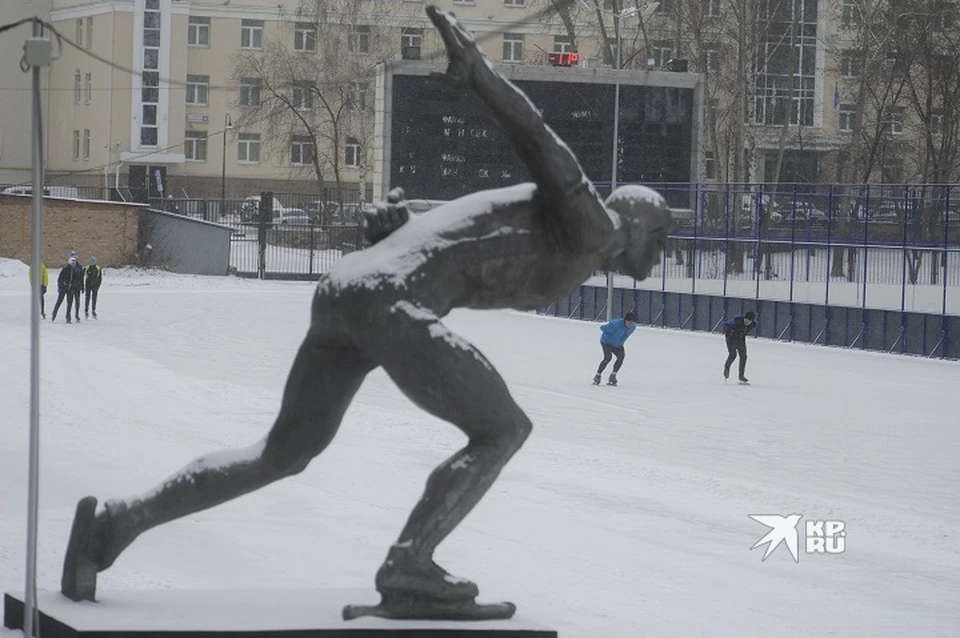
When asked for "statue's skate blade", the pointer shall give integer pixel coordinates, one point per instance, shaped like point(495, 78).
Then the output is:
point(79, 579)
point(419, 608)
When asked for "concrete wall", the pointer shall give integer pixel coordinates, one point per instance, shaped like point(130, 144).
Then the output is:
point(184, 244)
point(106, 230)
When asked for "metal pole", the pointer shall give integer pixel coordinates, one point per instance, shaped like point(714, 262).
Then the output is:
point(616, 150)
point(36, 56)
point(223, 170)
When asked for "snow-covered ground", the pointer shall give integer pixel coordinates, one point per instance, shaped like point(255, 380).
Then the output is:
point(626, 514)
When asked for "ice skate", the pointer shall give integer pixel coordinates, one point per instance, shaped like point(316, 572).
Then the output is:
point(79, 579)
point(743, 380)
point(410, 590)
point(92, 548)
point(596, 379)
point(429, 580)
point(612, 380)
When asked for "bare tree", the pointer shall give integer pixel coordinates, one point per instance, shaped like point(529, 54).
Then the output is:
point(312, 86)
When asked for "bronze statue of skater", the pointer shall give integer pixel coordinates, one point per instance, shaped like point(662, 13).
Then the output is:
point(518, 247)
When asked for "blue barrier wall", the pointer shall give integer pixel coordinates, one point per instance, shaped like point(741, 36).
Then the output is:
point(928, 335)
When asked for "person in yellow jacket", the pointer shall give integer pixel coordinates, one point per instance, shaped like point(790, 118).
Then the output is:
point(44, 282)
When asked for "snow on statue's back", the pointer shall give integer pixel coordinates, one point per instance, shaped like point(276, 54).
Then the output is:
point(516, 247)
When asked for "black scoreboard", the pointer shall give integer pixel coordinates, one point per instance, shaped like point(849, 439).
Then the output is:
point(443, 144)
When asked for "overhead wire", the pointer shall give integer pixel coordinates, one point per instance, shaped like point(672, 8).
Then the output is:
point(553, 7)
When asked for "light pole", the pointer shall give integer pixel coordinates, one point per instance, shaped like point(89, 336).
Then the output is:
point(227, 125)
point(629, 12)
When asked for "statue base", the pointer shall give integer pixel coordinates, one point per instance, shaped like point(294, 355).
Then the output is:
point(295, 613)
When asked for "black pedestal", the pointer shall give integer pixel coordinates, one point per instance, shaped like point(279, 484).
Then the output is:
point(241, 614)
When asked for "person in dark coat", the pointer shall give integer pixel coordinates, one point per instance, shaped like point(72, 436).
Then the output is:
point(69, 285)
point(735, 330)
point(615, 334)
point(92, 278)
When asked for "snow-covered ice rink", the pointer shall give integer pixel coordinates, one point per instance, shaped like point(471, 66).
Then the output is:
point(625, 515)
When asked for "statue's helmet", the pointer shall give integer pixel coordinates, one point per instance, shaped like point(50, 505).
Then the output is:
point(644, 221)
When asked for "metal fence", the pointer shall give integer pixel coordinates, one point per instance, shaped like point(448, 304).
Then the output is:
point(890, 331)
point(894, 247)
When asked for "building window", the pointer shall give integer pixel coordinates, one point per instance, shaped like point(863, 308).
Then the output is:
point(88, 88)
point(711, 60)
point(709, 165)
point(662, 53)
point(198, 89)
point(711, 8)
point(895, 120)
point(936, 122)
point(150, 78)
point(76, 87)
point(562, 44)
point(251, 34)
point(198, 31)
point(302, 97)
point(357, 96)
point(76, 145)
point(301, 150)
point(78, 36)
point(305, 37)
point(410, 42)
point(513, 47)
point(89, 33)
point(249, 91)
point(851, 64)
point(358, 40)
point(851, 13)
point(514, 3)
point(248, 148)
point(351, 157)
point(86, 143)
point(666, 7)
point(848, 117)
point(892, 170)
point(195, 146)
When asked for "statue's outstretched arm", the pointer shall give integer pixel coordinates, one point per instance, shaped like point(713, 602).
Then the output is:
point(387, 217)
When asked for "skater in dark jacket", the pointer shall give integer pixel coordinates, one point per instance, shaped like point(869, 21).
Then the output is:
point(615, 334)
point(92, 278)
point(69, 285)
point(736, 329)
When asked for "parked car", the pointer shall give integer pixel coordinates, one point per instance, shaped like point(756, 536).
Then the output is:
point(48, 191)
point(250, 210)
point(294, 219)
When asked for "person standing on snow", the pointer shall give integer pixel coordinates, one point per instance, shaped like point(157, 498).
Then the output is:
point(735, 330)
point(92, 278)
point(69, 285)
point(615, 334)
point(44, 282)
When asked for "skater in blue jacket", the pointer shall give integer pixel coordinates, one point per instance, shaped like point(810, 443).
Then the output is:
point(615, 334)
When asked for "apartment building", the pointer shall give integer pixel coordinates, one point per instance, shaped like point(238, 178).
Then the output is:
point(15, 91)
point(207, 107)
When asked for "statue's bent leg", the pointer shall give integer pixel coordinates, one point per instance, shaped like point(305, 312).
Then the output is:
point(319, 388)
point(450, 379)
